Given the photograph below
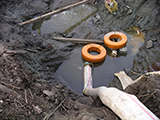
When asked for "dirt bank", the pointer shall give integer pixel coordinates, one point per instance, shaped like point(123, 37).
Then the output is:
point(30, 89)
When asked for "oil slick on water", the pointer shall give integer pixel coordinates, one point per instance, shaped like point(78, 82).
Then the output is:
point(71, 70)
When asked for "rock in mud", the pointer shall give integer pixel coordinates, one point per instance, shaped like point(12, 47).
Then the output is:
point(123, 51)
point(1, 110)
point(149, 44)
point(129, 12)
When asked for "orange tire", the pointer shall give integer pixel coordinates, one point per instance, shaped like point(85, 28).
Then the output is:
point(115, 45)
point(93, 58)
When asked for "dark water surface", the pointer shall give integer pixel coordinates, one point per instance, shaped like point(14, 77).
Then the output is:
point(71, 70)
point(64, 21)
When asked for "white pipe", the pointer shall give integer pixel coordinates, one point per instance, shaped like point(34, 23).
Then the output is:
point(124, 79)
point(87, 75)
point(125, 105)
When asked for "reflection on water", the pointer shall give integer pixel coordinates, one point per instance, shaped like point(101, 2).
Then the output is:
point(71, 70)
point(64, 21)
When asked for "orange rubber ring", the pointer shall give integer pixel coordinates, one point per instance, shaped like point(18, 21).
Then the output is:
point(115, 45)
point(93, 58)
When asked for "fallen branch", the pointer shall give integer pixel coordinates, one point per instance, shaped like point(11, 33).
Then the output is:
point(53, 12)
point(77, 40)
point(30, 50)
point(9, 91)
point(135, 72)
point(143, 95)
point(10, 85)
point(104, 112)
point(31, 93)
point(19, 103)
point(149, 96)
point(49, 115)
point(25, 94)
point(64, 108)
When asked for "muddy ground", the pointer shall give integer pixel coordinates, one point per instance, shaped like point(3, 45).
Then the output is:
point(29, 88)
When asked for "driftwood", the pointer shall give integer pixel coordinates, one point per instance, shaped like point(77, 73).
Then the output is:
point(53, 12)
point(77, 40)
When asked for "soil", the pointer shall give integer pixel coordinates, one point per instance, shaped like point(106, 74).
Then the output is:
point(29, 88)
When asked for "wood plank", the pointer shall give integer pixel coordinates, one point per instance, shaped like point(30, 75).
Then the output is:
point(78, 40)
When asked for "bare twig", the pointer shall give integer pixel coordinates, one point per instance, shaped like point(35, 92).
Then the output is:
point(31, 93)
point(11, 52)
point(143, 95)
point(37, 109)
point(157, 90)
point(10, 85)
point(30, 50)
point(149, 96)
point(64, 108)
point(9, 91)
point(135, 72)
point(25, 93)
point(104, 112)
point(19, 103)
point(49, 115)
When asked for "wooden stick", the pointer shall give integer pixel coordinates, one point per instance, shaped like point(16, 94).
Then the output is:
point(53, 12)
point(65, 109)
point(78, 40)
point(30, 50)
point(10, 85)
point(9, 91)
point(25, 94)
point(149, 97)
point(31, 93)
point(49, 115)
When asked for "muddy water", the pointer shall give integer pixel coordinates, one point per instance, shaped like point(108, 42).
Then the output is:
point(71, 71)
point(64, 21)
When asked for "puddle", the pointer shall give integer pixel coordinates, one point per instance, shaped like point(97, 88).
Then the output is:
point(71, 70)
point(136, 39)
point(64, 21)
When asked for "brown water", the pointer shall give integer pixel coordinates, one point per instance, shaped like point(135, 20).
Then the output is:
point(71, 70)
